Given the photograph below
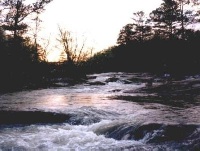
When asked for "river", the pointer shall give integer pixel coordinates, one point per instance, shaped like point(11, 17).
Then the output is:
point(108, 111)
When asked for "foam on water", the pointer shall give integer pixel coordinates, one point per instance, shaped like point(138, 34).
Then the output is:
point(111, 111)
point(64, 137)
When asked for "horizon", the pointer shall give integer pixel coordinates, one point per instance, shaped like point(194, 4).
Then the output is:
point(98, 22)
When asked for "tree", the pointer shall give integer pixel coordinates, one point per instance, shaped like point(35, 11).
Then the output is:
point(35, 35)
point(172, 18)
point(166, 18)
point(187, 16)
point(125, 35)
point(181, 4)
point(2, 35)
point(43, 51)
point(75, 52)
point(16, 11)
point(141, 30)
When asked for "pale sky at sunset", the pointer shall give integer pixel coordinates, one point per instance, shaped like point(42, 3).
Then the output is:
point(99, 21)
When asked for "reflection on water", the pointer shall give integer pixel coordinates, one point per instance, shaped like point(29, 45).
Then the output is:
point(54, 101)
point(110, 111)
point(72, 100)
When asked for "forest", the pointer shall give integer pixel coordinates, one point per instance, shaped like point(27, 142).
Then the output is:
point(166, 41)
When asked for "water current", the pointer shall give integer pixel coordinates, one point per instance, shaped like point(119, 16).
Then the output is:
point(108, 111)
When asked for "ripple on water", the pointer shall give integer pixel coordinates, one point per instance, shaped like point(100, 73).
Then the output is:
point(122, 113)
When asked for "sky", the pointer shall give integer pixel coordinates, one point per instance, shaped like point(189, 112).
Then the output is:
point(98, 21)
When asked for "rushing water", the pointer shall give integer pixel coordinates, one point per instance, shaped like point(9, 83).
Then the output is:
point(109, 111)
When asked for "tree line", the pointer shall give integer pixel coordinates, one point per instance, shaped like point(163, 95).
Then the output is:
point(23, 61)
point(172, 20)
point(165, 41)
point(162, 42)
point(21, 57)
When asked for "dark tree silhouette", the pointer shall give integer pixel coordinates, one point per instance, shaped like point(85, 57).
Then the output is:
point(125, 35)
point(14, 13)
point(141, 29)
point(166, 18)
point(19, 58)
point(187, 17)
point(170, 46)
point(75, 52)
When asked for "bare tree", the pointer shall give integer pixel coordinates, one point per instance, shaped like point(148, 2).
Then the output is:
point(75, 51)
point(44, 51)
